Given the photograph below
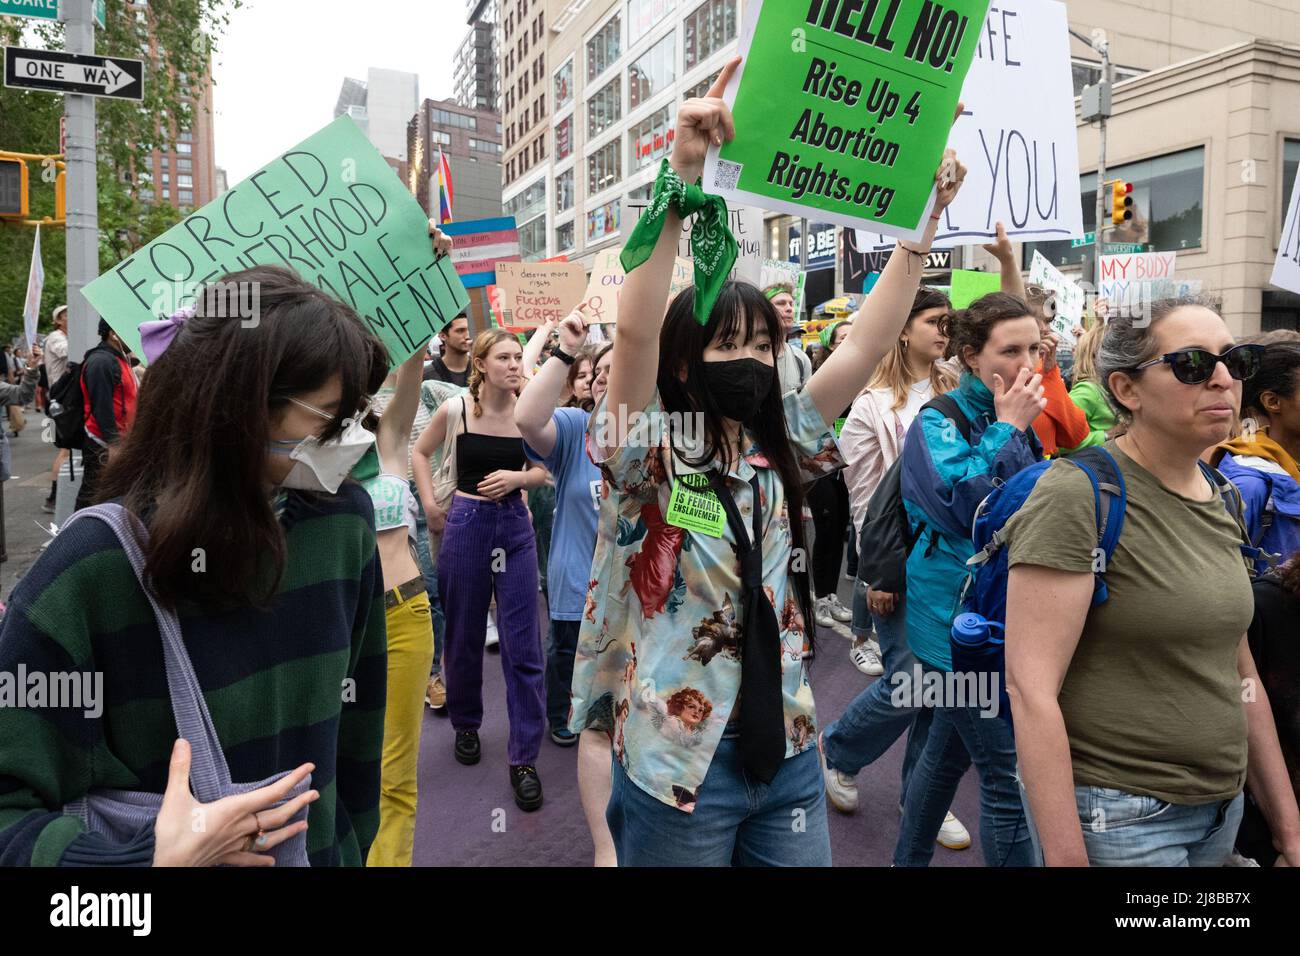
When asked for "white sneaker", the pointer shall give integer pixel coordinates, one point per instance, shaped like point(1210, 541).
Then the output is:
point(493, 638)
point(822, 612)
point(838, 610)
point(952, 834)
point(841, 788)
point(865, 659)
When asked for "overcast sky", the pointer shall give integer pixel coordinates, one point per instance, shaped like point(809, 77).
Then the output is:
point(280, 65)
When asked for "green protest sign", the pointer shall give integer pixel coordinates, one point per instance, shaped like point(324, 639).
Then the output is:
point(844, 108)
point(967, 286)
point(332, 210)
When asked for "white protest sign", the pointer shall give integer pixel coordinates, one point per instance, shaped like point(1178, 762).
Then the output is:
point(605, 288)
point(1129, 279)
point(35, 286)
point(1286, 268)
point(775, 272)
point(1069, 297)
point(745, 223)
point(1017, 136)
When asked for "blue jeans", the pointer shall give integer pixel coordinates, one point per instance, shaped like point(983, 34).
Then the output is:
point(560, 650)
point(861, 626)
point(874, 720)
point(737, 821)
point(1124, 829)
point(958, 737)
point(429, 571)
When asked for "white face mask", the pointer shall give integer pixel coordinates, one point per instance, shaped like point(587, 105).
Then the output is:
point(322, 466)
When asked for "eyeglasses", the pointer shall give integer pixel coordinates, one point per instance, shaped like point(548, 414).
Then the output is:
point(1195, 366)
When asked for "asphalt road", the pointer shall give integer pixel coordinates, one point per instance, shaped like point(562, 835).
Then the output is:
point(25, 525)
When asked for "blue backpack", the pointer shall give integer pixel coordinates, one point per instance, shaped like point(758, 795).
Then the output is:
point(975, 647)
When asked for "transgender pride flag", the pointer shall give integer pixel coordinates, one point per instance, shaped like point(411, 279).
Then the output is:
point(479, 245)
point(442, 182)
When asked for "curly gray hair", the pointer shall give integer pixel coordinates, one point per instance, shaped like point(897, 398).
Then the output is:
point(1131, 340)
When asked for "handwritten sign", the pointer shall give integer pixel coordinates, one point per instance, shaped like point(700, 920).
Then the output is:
point(330, 209)
point(538, 292)
point(1128, 280)
point(605, 288)
point(745, 223)
point(1069, 298)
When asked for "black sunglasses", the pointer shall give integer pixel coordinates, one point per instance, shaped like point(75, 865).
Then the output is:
point(1195, 366)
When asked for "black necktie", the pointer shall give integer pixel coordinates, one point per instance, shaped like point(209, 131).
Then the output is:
point(762, 717)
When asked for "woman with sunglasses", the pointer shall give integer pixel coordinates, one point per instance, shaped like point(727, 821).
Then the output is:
point(1139, 718)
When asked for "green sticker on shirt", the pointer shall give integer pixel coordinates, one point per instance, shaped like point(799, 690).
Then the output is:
point(839, 426)
point(696, 510)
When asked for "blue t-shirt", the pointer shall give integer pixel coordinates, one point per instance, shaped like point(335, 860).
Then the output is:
point(577, 503)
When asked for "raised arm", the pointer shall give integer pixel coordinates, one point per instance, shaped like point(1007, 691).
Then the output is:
point(635, 367)
point(535, 409)
point(1013, 282)
point(884, 312)
point(393, 437)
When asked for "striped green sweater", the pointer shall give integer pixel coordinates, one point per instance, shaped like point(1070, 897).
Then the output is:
point(302, 680)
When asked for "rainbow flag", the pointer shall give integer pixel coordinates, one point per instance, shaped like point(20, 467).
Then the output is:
point(442, 182)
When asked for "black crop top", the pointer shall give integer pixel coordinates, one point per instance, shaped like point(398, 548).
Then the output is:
point(477, 456)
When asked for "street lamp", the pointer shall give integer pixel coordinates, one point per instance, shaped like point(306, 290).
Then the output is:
point(1097, 105)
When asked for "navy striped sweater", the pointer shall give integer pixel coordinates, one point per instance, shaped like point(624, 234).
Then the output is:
point(300, 681)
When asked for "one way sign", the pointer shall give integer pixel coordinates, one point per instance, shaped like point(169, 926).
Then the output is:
point(57, 72)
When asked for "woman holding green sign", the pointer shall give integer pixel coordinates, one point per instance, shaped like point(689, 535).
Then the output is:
point(691, 646)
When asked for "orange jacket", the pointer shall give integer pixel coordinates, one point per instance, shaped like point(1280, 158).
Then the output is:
point(1062, 423)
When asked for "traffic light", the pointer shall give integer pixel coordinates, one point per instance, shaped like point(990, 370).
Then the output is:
point(61, 197)
point(1121, 205)
point(13, 188)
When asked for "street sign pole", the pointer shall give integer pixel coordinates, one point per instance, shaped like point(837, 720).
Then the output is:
point(83, 197)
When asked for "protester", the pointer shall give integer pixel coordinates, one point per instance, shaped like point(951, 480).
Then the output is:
point(1274, 639)
point(271, 567)
point(56, 366)
point(554, 437)
point(944, 478)
point(828, 500)
point(488, 548)
point(1087, 392)
point(18, 393)
point(910, 375)
point(452, 365)
point(1162, 771)
point(686, 791)
point(14, 368)
point(793, 367)
point(108, 389)
point(1264, 461)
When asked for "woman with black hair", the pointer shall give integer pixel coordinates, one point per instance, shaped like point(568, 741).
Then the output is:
point(696, 620)
point(268, 561)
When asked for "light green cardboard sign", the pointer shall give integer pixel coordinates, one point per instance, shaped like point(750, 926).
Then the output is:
point(967, 286)
point(845, 108)
point(332, 210)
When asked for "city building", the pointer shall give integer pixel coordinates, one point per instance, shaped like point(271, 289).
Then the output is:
point(382, 106)
point(590, 96)
point(185, 174)
point(471, 141)
point(476, 79)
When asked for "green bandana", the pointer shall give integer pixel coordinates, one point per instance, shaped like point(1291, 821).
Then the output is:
point(713, 247)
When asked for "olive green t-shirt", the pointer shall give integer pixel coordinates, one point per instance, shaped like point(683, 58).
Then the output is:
point(1152, 699)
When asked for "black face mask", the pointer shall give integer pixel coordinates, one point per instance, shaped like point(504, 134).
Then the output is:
point(738, 386)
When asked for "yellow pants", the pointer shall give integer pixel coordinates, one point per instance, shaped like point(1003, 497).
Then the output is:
point(410, 655)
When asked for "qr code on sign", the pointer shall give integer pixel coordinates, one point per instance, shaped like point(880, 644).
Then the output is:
point(727, 174)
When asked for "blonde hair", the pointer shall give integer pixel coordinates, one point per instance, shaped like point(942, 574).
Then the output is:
point(484, 343)
point(893, 373)
point(1085, 353)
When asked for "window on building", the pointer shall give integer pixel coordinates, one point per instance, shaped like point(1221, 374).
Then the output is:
point(1168, 198)
point(185, 182)
point(439, 137)
point(644, 15)
point(528, 203)
point(184, 149)
point(642, 192)
point(563, 237)
point(707, 28)
point(185, 197)
point(447, 118)
point(1290, 165)
point(564, 138)
point(649, 139)
point(563, 85)
point(652, 72)
point(532, 240)
point(182, 165)
point(603, 221)
point(603, 168)
point(702, 87)
point(603, 48)
point(564, 191)
point(605, 108)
